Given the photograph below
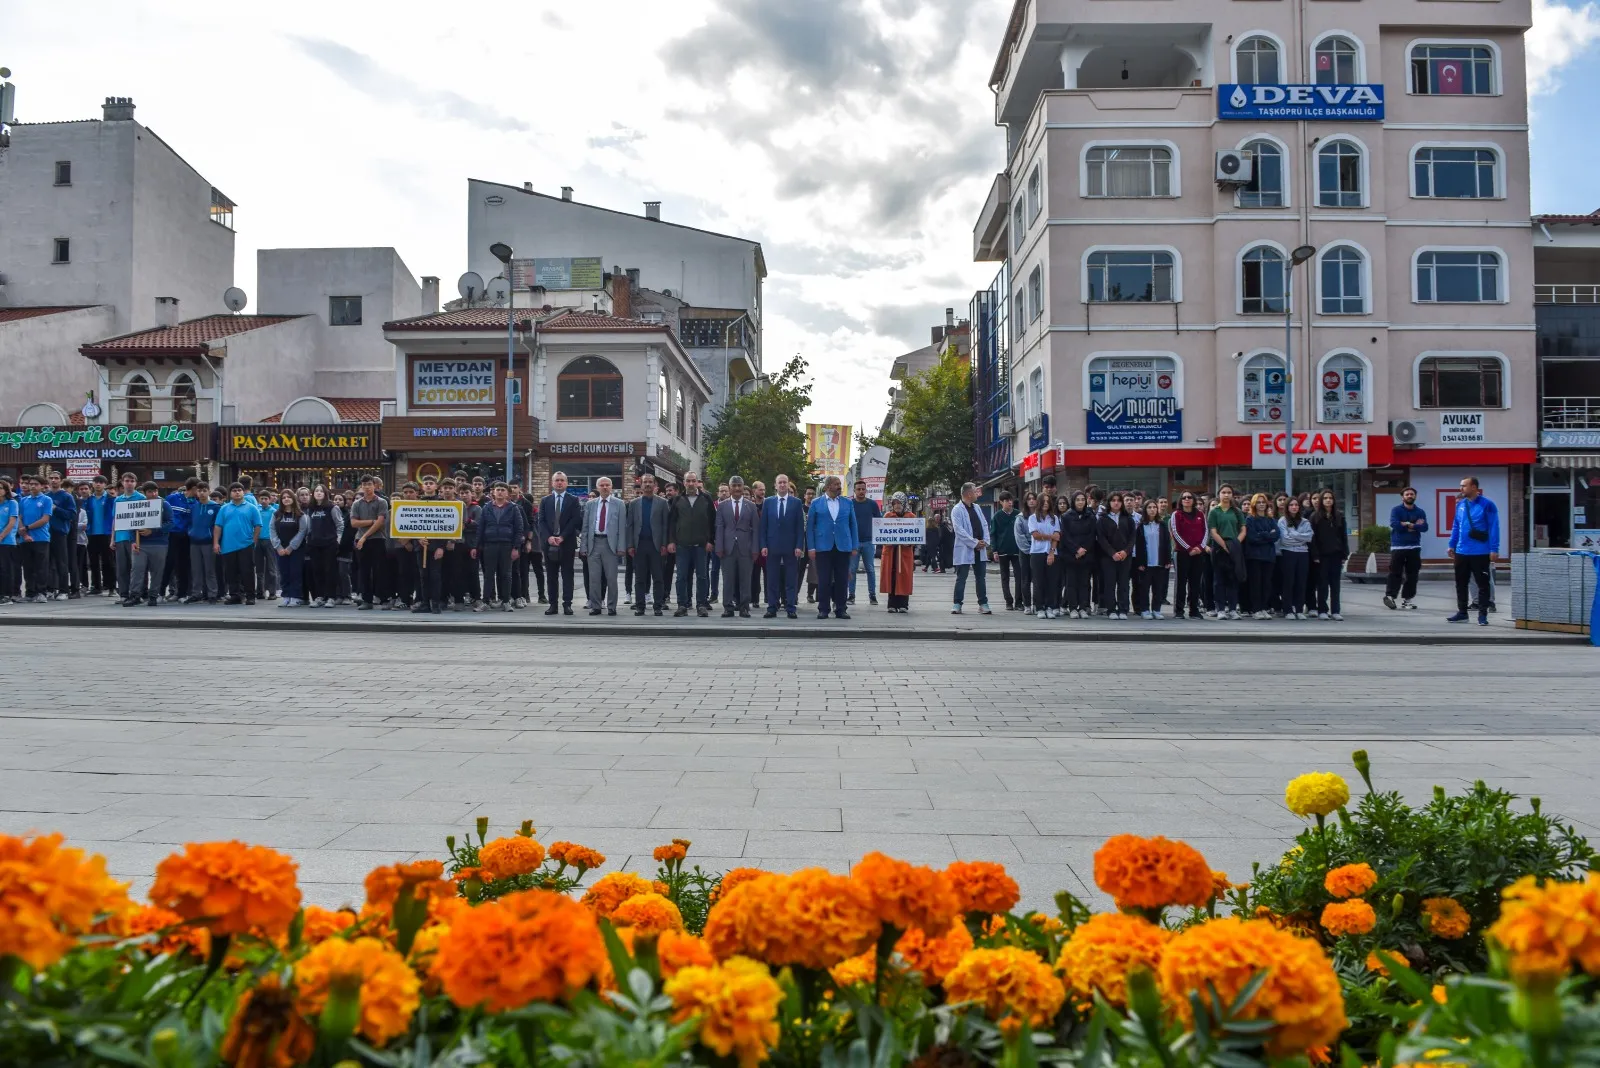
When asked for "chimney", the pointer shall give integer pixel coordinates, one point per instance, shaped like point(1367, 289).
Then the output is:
point(621, 294)
point(633, 280)
point(652, 210)
point(166, 311)
point(949, 318)
point(566, 192)
point(430, 294)
point(527, 187)
point(118, 109)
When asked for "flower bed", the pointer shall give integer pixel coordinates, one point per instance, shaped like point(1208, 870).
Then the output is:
point(1458, 933)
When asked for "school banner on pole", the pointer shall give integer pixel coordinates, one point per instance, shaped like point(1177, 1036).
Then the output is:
point(828, 448)
point(875, 471)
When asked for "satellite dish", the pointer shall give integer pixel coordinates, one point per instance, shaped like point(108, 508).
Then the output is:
point(5, 72)
point(234, 299)
point(470, 286)
point(499, 290)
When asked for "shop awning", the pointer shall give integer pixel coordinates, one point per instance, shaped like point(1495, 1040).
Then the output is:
point(1571, 460)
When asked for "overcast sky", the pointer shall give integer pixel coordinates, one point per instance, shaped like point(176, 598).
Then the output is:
point(853, 138)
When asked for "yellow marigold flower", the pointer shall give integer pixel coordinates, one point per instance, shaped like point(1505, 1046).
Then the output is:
point(1354, 917)
point(231, 887)
point(505, 857)
point(609, 891)
point(1350, 880)
point(50, 894)
point(1547, 929)
point(1101, 951)
point(383, 884)
point(812, 918)
point(1047, 924)
point(676, 950)
point(390, 990)
point(577, 856)
point(1446, 918)
point(1152, 873)
point(1440, 994)
point(1007, 982)
point(535, 945)
point(934, 957)
point(176, 936)
point(1316, 793)
point(321, 924)
point(267, 1031)
point(736, 1003)
point(733, 877)
point(862, 968)
point(983, 886)
point(648, 914)
point(1301, 993)
point(907, 895)
point(1290, 859)
point(674, 850)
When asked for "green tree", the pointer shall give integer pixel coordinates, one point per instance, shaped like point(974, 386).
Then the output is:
point(934, 447)
point(758, 435)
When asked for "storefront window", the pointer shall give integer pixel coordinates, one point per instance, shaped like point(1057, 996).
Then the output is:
point(1150, 481)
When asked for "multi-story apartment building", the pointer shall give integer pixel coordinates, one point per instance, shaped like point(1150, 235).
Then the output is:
point(1566, 482)
point(1153, 291)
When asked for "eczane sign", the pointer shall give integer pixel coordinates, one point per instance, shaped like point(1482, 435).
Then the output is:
point(1314, 450)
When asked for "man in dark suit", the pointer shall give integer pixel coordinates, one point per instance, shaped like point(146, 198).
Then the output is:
point(736, 542)
point(647, 544)
point(560, 519)
point(692, 530)
point(783, 542)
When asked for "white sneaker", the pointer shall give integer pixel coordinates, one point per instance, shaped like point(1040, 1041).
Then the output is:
point(1145, 614)
point(1213, 615)
point(1044, 613)
point(984, 609)
point(1337, 618)
point(1322, 615)
point(1408, 604)
point(955, 610)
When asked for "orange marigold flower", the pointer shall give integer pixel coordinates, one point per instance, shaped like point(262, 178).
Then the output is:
point(383, 884)
point(676, 950)
point(812, 918)
point(1219, 885)
point(176, 936)
point(983, 886)
point(50, 894)
point(535, 945)
point(1007, 982)
point(675, 850)
point(1300, 994)
point(732, 878)
point(736, 1003)
point(648, 914)
point(390, 990)
point(576, 856)
point(1098, 955)
point(505, 857)
point(231, 887)
point(862, 968)
point(267, 1031)
point(934, 957)
point(1547, 929)
point(321, 924)
point(465, 875)
point(1350, 880)
point(907, 895)
point(609, 891)
point(1354, 917)
point(1152, 873)
point(1446, 917)
point(1440, 994)
point(1375, 963)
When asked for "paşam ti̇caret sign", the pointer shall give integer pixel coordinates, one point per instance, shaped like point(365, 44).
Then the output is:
point(1314, 450)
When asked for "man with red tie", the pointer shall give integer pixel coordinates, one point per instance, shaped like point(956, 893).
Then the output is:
point(737, 543)
point(603, 543)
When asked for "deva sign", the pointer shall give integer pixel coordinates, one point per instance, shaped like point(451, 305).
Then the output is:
point(1324, 103)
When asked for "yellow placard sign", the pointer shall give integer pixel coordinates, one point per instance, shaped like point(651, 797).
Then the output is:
point(426, 519)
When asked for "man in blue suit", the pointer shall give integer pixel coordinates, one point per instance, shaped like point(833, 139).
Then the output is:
point(832, 538)
point(560, 521)
point(783, 543)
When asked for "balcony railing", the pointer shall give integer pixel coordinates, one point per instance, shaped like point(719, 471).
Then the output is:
point(1571, 413)
point(1566, 294)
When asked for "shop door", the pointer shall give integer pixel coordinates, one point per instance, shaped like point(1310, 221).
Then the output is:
point(1552, 508)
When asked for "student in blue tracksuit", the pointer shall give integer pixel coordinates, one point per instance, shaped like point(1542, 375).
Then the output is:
point(202, 560)
point(234, 536)
point(122, 540)
point(1407, 524)
point(63, 537)
point(10, 520)
point(101, 509)
point(1474, 541)
point(34, 538)
point(175, 577)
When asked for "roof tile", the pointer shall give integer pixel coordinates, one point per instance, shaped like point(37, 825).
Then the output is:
point(350, 409)
point(188, 337)
point(11, 315)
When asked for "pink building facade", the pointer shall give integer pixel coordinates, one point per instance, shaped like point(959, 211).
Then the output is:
point(1148, 279)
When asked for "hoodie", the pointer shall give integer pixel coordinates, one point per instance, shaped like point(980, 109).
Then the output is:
point(182, 506)
point(63, 513)
point(1399, 536)
point(102, 513)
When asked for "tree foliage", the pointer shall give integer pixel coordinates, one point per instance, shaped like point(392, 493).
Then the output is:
point(758, 435)
point(934, 446)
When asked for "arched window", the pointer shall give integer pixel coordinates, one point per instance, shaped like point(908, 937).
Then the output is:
point(1344, 281)
point(1257, 59)
point(662, 396)
point(136, 393)
point(1339, 178)
point(1443, 69)
point(694, 427)
point(679, 425)
point(589, 388)
point(1262, 389)
point(1268, 182)
point(1466, 381)
point(1262, 277)
point(1336, 60)
point(185, 400)
point(1458, 277)
point(1343, 385)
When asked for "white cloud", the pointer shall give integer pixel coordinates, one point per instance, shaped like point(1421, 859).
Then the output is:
point(1560, 33)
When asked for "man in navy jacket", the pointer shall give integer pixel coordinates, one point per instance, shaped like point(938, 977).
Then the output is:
point(175, 575)
point(783, 542)
point(1407, 523)
point(63, 536)
point(560, 519)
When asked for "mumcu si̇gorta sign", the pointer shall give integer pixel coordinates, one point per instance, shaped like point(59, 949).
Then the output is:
point(1133, 401)
point(1315, 103)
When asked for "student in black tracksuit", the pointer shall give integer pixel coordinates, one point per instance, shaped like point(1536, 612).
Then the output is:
point(1077, 554)
point(1115, 536)
point(1150, 572)
point(322, 549)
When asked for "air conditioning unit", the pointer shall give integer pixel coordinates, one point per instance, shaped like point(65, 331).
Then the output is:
point(1036, 425)
point(1005, 426)
point(1235, 167)
point(1408, 431)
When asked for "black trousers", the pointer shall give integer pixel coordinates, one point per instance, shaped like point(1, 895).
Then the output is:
point(1115, 576)
point(36, 566)
point(1017, 565)
point(431, 592)
point(9, 586)
point(650, 578)
point(61, 562)
point(496, 560)
point(322, 572)
point(1077, 570)
point(1191, 573)
point(102, 563)
point(558, 563)
point(1046, 581)
point(1296, 577)
point(833, 580)
point(1149, 589)
point(1404, 567)
point(176, 572)
point(1259, 586)
point(372, 566)
point(239, 573)
point(1471, 567)
point(1329, 574)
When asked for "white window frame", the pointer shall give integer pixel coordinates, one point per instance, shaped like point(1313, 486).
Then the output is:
point(1035, 293)
point(1019, 223)
point(1137, 354)
point(1497, 76)
point(1366, 170)
point(1505, 271)
point(1460, 146)
point(1361, 55)
point(1283, 54)
point(1177, 273)
point(1238, 275)
point(1020, 416)
point(1366, 278)
point(1174, 177)
point(1035, 193)
point(1238, 384)
point(1465, 354)
point(1288, 171)
point(1036, 392)
point(1366, 393)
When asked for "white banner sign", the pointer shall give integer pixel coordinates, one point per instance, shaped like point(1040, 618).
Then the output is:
point(138, 515)
point(1461, 428)
point(1314, 450)
point(453, 382)
point(875, 470)
point(425, 519)
point(898, 531)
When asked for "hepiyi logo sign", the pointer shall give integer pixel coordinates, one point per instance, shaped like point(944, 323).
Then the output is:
point(1313, 450)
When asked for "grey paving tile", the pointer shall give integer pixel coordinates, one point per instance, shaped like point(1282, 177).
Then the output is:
point(348, 811)
point(938, 820)
point(748, 818)
point(919, 848)
point(210, 805)
point(279, 833)
point(92, 826)
point(778, 797)
point(426, 837)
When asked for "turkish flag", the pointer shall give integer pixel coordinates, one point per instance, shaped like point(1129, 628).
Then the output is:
point(1324, 62)
point(1447, 77)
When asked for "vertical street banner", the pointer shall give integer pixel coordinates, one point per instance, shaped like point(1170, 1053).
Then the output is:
point(875, 471)
point(828, 448)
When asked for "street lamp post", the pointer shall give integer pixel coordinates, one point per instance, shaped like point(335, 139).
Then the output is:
point(1296, 258)
point(502, 252)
